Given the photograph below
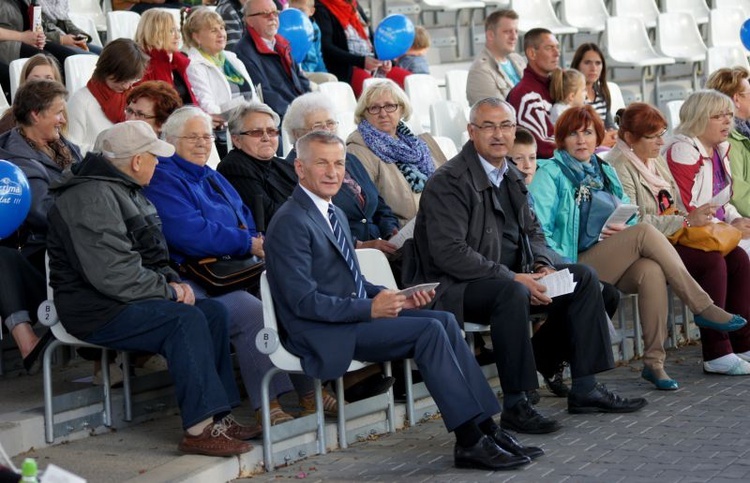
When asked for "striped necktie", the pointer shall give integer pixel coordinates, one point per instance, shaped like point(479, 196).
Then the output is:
point(338, 233)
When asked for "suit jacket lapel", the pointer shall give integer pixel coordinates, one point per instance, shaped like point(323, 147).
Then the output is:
point(316, 216)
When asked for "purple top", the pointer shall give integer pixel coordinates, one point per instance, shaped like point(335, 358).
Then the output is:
point(720, 181)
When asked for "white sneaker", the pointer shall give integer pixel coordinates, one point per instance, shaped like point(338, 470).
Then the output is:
point(115, 375)
point(728, 365)
point(745, 356)
point(155, 363)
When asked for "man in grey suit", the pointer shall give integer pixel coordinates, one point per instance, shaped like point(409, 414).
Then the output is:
point(331, 315)
point(498, 68)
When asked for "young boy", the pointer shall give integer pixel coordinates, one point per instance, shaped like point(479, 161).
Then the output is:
point(523, 153)
point(414, 60)
point(313, 66)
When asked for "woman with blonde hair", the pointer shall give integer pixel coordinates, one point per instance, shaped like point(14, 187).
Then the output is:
point(216, 74)
point(159, 37)
point(397, 161)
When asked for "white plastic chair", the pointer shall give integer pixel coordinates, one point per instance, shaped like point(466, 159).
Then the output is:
point(78, 70)
point(213, 157)
point(743, 5)
point(589, 16)
point(673, 113)
point(448, 119)
point(447, 146)
point(87, 24)
point(724, 25)
point(91, 9)
point(122, 24)
point(718, 57)
point(4, 106)
point(677, 36)
point(268, 342)
point(370, 81)
point(617, 102)
point(422, 90)
point(341, 94)
point(541, 13)
point(697, 8)
point(47, 315)
point(346, 124)
point(455, 86)
point(457, 7)
point(637, 52)
point(646, 10)
point(16, 67)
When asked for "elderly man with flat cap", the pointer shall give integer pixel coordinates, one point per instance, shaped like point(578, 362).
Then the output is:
point(109, 268)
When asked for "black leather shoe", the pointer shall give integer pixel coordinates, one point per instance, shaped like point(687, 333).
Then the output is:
point(510, 444)
point(33, 361)
point(486, 455)
point(556, 385)
point(533, 397)
point(368, 387)
point(602, 400)
point(523, 418)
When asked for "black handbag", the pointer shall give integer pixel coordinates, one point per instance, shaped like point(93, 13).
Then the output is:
point(224, 274)
point(220, 275)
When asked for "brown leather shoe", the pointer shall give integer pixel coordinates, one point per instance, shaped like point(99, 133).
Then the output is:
point(240, 431)
point(213, 441)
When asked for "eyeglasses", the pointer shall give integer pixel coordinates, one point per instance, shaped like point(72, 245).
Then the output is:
point(386, 107)
point(722, 115)
point(138, 114)
point(492, 128)
point(654, 136)
point(268, 14)
point(327, 125)
point(259, 133)
point(193, 139)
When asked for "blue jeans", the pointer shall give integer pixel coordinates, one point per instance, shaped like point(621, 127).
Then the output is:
point(195, 342)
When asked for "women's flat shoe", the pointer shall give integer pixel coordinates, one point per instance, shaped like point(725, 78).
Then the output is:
point(661, 384)
point(735, 323)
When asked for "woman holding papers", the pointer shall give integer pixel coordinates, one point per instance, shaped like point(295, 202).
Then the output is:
point(575, 193)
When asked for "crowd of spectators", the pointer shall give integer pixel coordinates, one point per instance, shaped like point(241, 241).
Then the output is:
point(122, 196)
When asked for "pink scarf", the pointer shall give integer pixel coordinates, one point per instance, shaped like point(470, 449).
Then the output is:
point(647, 169)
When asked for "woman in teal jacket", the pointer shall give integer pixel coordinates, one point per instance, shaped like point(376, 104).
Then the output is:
point(574, 194)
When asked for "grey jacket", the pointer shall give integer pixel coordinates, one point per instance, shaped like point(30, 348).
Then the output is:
point(487, 79)
point(11, 18)
point(41, 172)
point(457, 238)
point(105, 246)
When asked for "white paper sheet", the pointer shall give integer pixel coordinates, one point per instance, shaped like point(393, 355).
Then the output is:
point(403, 234)
point(558, 283)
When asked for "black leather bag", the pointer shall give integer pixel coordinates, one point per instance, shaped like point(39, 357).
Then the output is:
point(220, 275)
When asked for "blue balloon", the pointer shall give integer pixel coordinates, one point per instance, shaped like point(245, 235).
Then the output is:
point(298, 30)
point(15, 198)
point(393, 37)
point(745, 34)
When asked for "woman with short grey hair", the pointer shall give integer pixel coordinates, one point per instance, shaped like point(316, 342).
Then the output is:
point(203, 216)
point(263, 180)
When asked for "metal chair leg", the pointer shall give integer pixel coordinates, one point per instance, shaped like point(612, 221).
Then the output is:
point(343, 444)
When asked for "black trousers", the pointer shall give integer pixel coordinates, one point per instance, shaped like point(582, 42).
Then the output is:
point(576, 328)
point(22, 285)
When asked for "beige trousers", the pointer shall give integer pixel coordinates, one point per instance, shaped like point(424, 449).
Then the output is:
point(641, 260)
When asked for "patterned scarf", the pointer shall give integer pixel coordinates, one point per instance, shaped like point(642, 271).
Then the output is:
point(61, 153)
point(645, 168)
point(588, 174)
point(409, 153)
point(220, 61)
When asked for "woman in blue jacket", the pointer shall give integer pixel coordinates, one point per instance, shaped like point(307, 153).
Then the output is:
point(203, 216)
point(574, 194)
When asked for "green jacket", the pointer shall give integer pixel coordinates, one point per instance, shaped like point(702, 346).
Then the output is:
point(555, 205)
point(739, 164)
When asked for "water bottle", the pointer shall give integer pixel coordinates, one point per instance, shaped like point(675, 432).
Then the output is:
point(29, 471)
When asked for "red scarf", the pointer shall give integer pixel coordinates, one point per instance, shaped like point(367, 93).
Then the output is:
point(281, 48)
point(111, 102)
point(163, 69)
point(346, 13)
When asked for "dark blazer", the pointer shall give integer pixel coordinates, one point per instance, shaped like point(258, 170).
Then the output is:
point(272, 181)
point(456, 237)
point(315, 299)
point(334, 46)
point(374, 220)
point(267, 69)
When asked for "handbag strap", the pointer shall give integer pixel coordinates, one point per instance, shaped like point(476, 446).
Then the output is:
point(218, 189)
